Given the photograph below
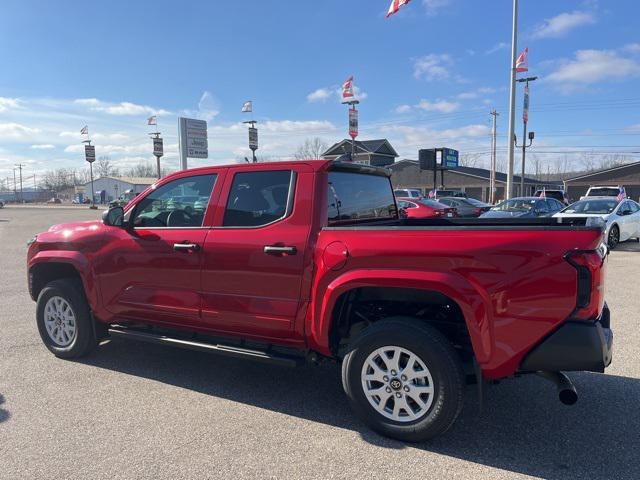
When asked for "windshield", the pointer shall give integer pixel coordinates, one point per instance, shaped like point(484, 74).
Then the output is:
point(598, 207)
point(603, 192)
point(516, 205)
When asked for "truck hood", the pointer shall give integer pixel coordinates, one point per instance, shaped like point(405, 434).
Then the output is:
point(73, 227)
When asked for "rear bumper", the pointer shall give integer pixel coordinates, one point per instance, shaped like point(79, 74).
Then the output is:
point(575, 346)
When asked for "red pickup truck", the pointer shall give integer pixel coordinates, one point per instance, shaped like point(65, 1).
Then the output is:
point(309, 261)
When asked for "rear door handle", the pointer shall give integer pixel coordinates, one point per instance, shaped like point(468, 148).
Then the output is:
point(186, 247)
point(275, 250)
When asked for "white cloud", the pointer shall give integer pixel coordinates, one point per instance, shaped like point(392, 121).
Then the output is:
point(633, 128)
point(497, 47)
point(434, 6)
point(7, 103)
point(562, 24)
point(403, 109)
point(420, 136)
point(17, 131)
point(208, 107)
point(92, 102)
point(632, 48)
point(593, 66)
point(298, 126)
point(319, 95)
point(325, 93)
point(470, 95)
point(441, 106)
point(122, 108)
point(43, 146)
point(433, 67)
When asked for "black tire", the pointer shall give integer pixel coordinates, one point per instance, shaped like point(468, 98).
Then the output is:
point(72, 291)
point(440, 359)
point(614, 237)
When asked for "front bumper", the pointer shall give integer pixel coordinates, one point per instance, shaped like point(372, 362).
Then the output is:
point(575, 346)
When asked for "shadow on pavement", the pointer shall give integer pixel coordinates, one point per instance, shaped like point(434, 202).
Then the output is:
point(628, 246)
point(523, 428)
point(4, 414)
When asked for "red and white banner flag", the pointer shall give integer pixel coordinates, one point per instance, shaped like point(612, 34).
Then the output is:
point(521, 63)
point(84, 131)
point(347, 90)
point(247, 106)
point(152, 120)
point(395, 6)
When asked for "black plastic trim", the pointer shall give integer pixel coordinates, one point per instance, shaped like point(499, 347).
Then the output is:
point(575, 346)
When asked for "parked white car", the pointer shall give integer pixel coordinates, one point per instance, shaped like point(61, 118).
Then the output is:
point(622, 217)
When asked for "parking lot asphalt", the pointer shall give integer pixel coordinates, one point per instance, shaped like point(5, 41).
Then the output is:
point(133, 410)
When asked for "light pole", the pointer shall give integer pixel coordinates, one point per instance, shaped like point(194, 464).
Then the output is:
point(19, 166)
point(492, 180)
point(525, 119)
point(512, 101)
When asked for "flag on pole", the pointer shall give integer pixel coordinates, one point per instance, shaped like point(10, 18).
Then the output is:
point(85, 130)
point(395, 6)
point(543, 194)
point(247, 106)
point(347, 90)
point(152, 120)
point(622, 194)
point(522, 64)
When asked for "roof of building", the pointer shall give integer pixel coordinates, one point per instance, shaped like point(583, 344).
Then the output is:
point(132, 180)
point(619, 168)
point(482, 173)
point(378, 147)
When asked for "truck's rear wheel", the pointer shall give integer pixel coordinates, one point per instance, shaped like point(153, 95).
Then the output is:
point(64, 320)
point(404, 380)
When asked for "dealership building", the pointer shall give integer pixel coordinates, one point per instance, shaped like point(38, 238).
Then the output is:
point(107, 189)
point(627, 176)
point(473, 181)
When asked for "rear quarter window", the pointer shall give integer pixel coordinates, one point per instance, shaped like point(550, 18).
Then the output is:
point(359, 197)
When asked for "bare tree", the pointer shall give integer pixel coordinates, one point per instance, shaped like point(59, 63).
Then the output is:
point(311, 149)
point(470, 160)
point(104, 168)
point(141, 169)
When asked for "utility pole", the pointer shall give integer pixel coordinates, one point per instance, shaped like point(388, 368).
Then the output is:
point(512, 101)
point(525, 119)
point(20, 165)
point(492, 180)
point(15, 184)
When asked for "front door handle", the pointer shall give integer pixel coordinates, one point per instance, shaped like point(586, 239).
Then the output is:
point(186, 247)
point(276, 250)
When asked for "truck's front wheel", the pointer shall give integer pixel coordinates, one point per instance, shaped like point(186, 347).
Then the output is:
point(64, 320)
point(404, 380)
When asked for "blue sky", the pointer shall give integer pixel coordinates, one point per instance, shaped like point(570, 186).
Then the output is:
point(427, 77)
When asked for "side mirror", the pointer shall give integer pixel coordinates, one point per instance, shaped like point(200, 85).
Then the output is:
point(114, 217)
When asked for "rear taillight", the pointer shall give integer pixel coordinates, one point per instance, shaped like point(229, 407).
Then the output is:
point(590, 282)
point(477, 211)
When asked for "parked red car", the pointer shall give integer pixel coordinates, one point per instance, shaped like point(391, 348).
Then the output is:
point(289, 262)
point(425, 208)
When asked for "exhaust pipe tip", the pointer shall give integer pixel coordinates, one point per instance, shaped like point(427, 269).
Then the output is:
point(567, 393)
point(568, 396)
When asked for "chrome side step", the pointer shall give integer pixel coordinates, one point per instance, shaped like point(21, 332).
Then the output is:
point(228, 350)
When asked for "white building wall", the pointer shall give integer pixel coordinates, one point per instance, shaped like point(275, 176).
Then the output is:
point(113, 187)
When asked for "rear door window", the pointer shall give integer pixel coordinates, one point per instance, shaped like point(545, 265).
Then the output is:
point(259, 198)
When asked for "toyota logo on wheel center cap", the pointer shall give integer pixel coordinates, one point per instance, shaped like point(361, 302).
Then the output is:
point(395, 384)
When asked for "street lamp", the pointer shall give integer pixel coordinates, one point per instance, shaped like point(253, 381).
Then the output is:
point(525, 119)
